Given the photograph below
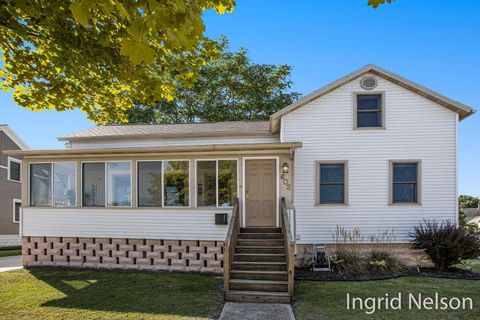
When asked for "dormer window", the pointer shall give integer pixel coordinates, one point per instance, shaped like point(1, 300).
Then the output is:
point(369, 111)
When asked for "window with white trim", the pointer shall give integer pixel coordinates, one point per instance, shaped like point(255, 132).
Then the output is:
point(53, 183)
point(217, 183)
point(107, 184)
point(176, 176)
point(14, 167)
point(149, 183)
point(17, 204)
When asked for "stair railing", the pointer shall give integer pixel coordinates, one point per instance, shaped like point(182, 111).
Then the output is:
point(229, 244)
point(289, 245)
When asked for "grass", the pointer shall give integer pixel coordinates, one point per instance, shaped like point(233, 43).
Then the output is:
point(10, 253)
point(327, 300)
point(90, 294)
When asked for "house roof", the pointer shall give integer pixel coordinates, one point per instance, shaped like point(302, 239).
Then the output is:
point(463, 110)
point(14, 136)
point(285, 147)
point(129, 131)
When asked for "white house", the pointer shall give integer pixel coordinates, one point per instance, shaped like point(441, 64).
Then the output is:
point(371, 150)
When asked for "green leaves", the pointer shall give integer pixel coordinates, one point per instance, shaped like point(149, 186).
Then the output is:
point(109, 52)
point(376, 3)
point(137, 51)
point(80, 13)
point(229, 88)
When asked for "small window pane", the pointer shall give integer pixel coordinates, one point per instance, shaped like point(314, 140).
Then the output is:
point(16, 212)
point(14, 171)
point(369, 102)
point(404, 192)
point(150, 184)
point(40, 184)
point(93, 182)
point(369, 119)
point(118, 184)
point(227, 182)
point(206, 183)
point(332, 193)
point(405, 172)
point(331, 173)
point(176, 175)
point(65, 184)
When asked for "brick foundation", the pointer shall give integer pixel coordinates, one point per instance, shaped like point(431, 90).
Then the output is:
point(119, 253)
point(402, 252)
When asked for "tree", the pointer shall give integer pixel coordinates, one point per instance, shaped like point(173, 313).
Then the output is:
point(465, 201)
point(229, 88)
point(96, 55)
point(376, 3)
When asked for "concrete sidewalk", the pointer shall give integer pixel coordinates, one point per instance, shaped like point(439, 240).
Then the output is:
point(10, 263)
point(256, 311)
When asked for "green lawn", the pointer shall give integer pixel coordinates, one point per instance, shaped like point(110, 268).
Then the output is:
point(327, 300)
point(10, 253)
point(89, 294)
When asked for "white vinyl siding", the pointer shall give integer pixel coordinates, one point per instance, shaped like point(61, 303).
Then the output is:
point(417, 128)
point(139, 223)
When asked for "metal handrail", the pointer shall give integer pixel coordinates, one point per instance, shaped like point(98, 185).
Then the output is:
point(289, 245)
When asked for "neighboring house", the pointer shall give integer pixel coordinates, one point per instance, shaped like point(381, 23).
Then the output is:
point(371, 150)
point(472, 215)
point(10, 188)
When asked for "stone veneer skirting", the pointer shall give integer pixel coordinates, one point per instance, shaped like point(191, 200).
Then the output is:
point(120, 253)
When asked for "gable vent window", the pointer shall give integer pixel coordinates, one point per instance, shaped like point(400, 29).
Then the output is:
point(368, 83)
point(369, 111)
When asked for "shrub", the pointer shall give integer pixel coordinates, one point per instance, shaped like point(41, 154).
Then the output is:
point(384, 261)
point(445, 243)
point(346, 256)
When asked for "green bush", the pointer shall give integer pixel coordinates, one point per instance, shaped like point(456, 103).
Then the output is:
point(383, 261)
point(445, 243)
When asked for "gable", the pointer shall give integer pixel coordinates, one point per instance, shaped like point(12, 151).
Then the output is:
point(463, 110)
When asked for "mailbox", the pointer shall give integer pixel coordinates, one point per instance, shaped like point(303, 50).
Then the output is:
point(221, 218)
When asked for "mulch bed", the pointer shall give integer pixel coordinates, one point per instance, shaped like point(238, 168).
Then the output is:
point(454, 273)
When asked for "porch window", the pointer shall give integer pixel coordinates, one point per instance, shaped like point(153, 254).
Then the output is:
point(53, 183)
point(175, 183)
point(65, 184)
point(119, 185)
point(149, 183)
point(332, 183)
point(40, 184)
point(93, 182)
point(216, 183)
point(404, 182)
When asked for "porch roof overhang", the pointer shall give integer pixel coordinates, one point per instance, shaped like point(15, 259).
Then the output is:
point(264, 148)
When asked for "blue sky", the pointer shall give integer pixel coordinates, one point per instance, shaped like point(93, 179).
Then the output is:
point(434, 43)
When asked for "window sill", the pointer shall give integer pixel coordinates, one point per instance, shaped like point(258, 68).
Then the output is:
point(369, 128)
point(407, 204)
point(324, 205)
point(14, 180)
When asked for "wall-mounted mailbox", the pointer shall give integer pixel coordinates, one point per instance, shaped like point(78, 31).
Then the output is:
point(221, 218)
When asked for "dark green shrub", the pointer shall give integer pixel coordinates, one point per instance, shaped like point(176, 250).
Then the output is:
point(445, 243)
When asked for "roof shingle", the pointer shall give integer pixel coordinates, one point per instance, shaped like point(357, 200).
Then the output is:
point(228, 128)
